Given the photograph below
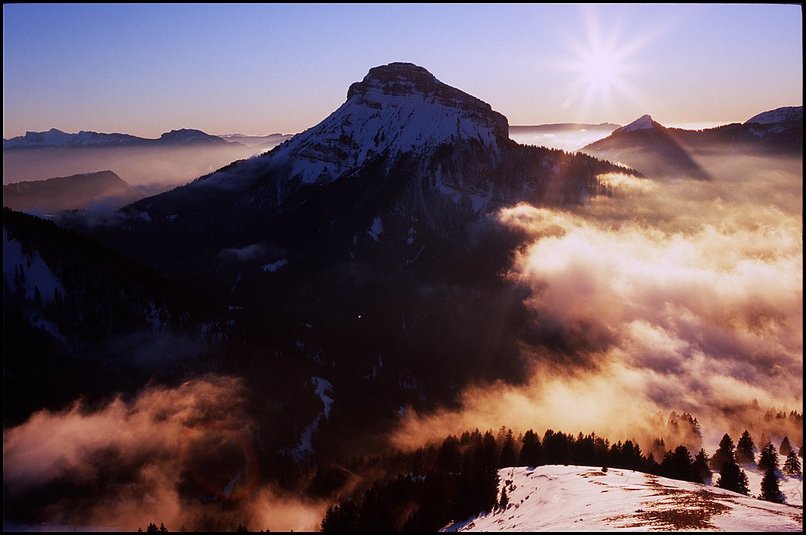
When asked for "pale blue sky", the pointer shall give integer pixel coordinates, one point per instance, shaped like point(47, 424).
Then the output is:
point(146, 69)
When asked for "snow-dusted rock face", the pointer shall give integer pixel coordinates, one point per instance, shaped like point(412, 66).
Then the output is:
point(778, 115)
point(644, 122)
point(394, 85)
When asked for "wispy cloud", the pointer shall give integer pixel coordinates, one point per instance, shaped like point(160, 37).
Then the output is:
point(129, 463)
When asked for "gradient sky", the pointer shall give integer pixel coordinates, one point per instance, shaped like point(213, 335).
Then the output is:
point(257, 69)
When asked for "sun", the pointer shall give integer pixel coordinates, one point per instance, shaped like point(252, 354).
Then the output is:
point(601, 73)
point(603, 65)
point(602, 70)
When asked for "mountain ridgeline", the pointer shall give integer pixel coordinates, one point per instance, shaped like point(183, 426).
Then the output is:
point(56, 138)
point(662, 152)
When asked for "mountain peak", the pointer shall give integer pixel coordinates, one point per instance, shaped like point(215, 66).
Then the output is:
point(399, 80)
point(644, 122)
point(396, 77)
point(396, 109)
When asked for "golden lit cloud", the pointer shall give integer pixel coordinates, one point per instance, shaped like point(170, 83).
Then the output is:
point(668, 295)
point(134, 456)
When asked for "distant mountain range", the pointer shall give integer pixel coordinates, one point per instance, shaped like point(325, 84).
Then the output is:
point(57, 138)
point(87, 190)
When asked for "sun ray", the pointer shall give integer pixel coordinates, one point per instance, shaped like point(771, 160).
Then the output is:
point(603, 65)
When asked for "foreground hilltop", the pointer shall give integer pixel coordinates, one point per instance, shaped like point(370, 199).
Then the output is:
point(580, 498)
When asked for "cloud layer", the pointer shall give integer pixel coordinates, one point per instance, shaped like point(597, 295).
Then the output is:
point(669, 295)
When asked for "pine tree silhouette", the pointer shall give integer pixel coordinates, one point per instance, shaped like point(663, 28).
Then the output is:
point(769, 487)
point(792, 464)
point(745, 449)
point(724, 453)
point(731, 477)
point(504, 501)
point(768, 458)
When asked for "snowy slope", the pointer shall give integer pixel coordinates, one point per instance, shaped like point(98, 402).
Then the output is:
point(778, 115)
point(578, 498)
point(36, 274)
point(305, 446)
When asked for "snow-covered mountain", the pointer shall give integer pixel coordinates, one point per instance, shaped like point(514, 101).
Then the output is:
point(778, 115)
point(399, 129)
point(57, 138)
point(395, 110)
point(579, 498)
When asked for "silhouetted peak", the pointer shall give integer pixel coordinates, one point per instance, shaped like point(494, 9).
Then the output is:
point(644, 122)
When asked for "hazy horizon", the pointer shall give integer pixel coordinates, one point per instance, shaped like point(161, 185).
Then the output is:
point(251, 69)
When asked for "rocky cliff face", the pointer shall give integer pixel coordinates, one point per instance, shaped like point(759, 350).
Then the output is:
point(406, 79)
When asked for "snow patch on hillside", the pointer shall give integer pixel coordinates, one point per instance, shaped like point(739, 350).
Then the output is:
point(274, 266)
point(376, 229)
point(305, 446)
point(34, 269)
